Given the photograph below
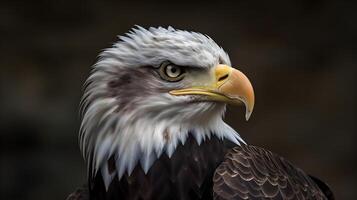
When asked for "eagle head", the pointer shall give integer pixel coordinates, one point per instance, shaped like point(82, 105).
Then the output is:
point(152, 89)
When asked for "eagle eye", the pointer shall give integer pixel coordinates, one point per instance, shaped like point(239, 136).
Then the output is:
point(171, 72)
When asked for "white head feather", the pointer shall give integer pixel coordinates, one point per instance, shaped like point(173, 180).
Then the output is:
point(139, 128)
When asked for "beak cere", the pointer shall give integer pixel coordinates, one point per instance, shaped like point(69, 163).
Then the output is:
point(230, 86)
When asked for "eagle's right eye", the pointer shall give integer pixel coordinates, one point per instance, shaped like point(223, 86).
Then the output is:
point(171, 72)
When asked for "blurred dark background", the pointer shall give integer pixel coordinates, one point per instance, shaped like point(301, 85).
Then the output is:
point(299, 55)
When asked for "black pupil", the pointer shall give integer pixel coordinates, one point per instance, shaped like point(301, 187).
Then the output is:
point(173, 69)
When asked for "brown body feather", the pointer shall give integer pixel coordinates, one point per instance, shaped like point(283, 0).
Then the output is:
point(250, 172)
point(186, 175)
point(246, 172)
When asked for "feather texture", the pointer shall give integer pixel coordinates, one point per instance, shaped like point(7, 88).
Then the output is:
point(124, 98)
point(140, 142)
point(250, 172)
point(202, 172)
point(187, 174)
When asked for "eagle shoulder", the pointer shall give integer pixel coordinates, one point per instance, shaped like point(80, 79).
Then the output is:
point(250, 172)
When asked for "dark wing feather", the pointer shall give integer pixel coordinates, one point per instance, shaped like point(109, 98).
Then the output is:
point(187, 174)
point(81, 193)
point(324, 187)
point(250, 172)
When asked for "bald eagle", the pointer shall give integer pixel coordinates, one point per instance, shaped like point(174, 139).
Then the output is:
point(152, 126)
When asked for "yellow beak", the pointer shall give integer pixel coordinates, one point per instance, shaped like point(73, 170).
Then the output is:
point(230, 86)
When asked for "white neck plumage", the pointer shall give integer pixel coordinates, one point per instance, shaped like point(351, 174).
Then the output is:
point(142, 136)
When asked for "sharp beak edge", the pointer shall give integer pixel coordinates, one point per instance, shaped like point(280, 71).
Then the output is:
point(231, 86)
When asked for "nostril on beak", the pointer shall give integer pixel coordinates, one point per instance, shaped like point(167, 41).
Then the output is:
point(222, 73)
point(222, 78)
